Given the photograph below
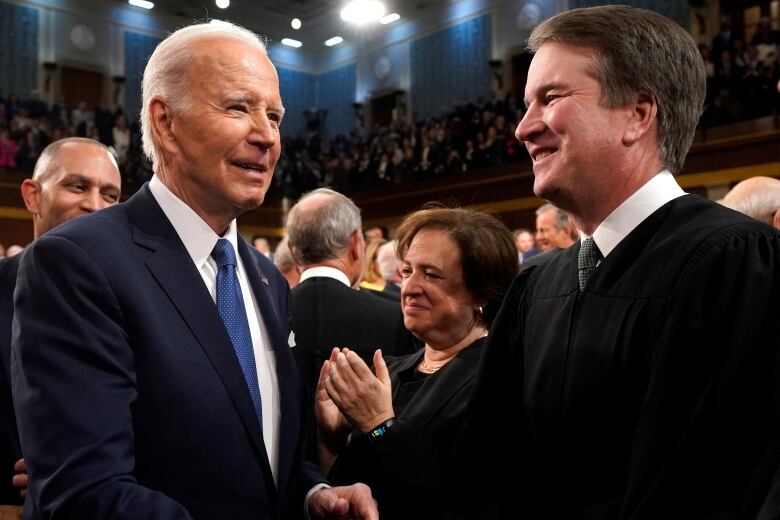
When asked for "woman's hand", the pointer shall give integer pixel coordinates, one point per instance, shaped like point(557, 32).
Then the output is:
point(332, 426)
point(363, 398)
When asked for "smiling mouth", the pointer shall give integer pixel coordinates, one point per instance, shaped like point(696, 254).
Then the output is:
point(543, 154)
point(251, 166)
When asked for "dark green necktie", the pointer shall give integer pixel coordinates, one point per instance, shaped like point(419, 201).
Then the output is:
point(587, 261)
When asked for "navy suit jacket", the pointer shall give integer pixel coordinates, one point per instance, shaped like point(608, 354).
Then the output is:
point(130, 400)
point(10, 450)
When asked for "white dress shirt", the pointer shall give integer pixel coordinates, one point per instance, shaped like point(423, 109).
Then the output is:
point(656, 192)
point(200, 239)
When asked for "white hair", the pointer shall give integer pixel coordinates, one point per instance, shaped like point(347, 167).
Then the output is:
point(166, 76)
point(387, 260)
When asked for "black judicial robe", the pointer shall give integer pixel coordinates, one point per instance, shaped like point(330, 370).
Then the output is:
point(653, 395)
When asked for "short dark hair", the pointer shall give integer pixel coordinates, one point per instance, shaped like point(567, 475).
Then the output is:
point(488, 253)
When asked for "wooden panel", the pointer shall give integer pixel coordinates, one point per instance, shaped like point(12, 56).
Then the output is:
point(81, 85)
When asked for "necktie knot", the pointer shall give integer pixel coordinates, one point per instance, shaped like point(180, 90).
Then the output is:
point(587, 260)
point(223, 253)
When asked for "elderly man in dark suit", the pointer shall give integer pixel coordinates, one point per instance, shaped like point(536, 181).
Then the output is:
point(326, 239)
point(73, 177)
point(162, 384)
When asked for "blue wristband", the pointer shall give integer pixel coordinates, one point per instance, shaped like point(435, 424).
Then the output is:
point(381, 430)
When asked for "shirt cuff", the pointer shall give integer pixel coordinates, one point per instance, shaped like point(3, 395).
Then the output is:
point(313, 490)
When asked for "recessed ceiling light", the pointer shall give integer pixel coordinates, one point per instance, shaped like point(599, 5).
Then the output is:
point(333, 41)
point(145, 4)
point(363, 11)
point(389, 18)
point(291, 43)
point(296, 23)
point(223, 4)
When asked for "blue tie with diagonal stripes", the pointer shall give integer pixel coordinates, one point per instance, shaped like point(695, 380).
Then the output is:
point(231, 308)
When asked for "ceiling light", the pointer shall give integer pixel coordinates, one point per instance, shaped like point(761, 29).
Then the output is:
point(141, 3)
point(363, 11)
point(223, 4)
point(296, 23)
point(389, 18)
point(291, 43)
point(333, 41)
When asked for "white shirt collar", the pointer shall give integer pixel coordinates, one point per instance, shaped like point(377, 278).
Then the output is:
point(326, 272)
point(197, 236)
point(656, 192)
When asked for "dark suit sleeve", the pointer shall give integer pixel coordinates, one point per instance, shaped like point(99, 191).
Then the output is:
point(74, 385)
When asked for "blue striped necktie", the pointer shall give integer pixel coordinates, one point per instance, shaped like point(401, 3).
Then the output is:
point(231, 308)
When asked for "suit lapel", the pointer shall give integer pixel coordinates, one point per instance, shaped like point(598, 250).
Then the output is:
point(286, 372)
point(172, 268)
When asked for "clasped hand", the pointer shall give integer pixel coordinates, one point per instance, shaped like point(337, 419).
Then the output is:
point(349, 393)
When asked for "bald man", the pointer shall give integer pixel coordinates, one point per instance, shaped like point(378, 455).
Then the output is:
point(72, 177)
point(758, 198)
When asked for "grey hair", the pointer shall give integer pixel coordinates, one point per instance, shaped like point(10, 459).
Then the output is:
point(48, 157)
point(166, 75)
point(321, 232)
point(638, 51)
point(283, 258)
point(387, 260)
point(561, 217)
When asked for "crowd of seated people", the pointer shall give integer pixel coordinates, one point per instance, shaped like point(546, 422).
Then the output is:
point(742, 83)
point(742, 76)
point(28, 126)
point(469, 137)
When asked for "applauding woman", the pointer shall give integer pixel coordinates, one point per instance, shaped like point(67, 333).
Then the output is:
point(394, 429)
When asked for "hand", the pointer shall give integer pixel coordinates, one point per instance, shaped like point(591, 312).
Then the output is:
point(364, 399)
point(344, 503)
point(332, 427)
point(19, 480)
point(10, 513)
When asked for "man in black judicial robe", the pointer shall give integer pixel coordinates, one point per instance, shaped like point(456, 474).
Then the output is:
point(642, 382)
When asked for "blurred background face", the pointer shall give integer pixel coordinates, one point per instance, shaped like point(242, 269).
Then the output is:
point(524, 242)
point(547, 235)
point(82, 178)
point(437, 307)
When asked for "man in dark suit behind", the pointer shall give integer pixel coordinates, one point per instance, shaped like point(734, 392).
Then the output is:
point(72, 177)
point(162, 385)
point(326, 239)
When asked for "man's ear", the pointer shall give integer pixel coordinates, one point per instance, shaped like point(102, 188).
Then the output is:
point(31, 190)
point(356, 246)
point(776, 220)
point(642, 118)
point(162, 125)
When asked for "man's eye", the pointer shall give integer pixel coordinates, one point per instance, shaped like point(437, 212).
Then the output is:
point(77, 187)
point(549, 98)
point(406, 272)
point(238, 108)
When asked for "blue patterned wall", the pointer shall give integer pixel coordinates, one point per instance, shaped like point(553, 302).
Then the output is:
point(449, 66)
point(299, 92)
point(18, 50)
point(677, 11)
point(336, 93)
point(138, 48)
